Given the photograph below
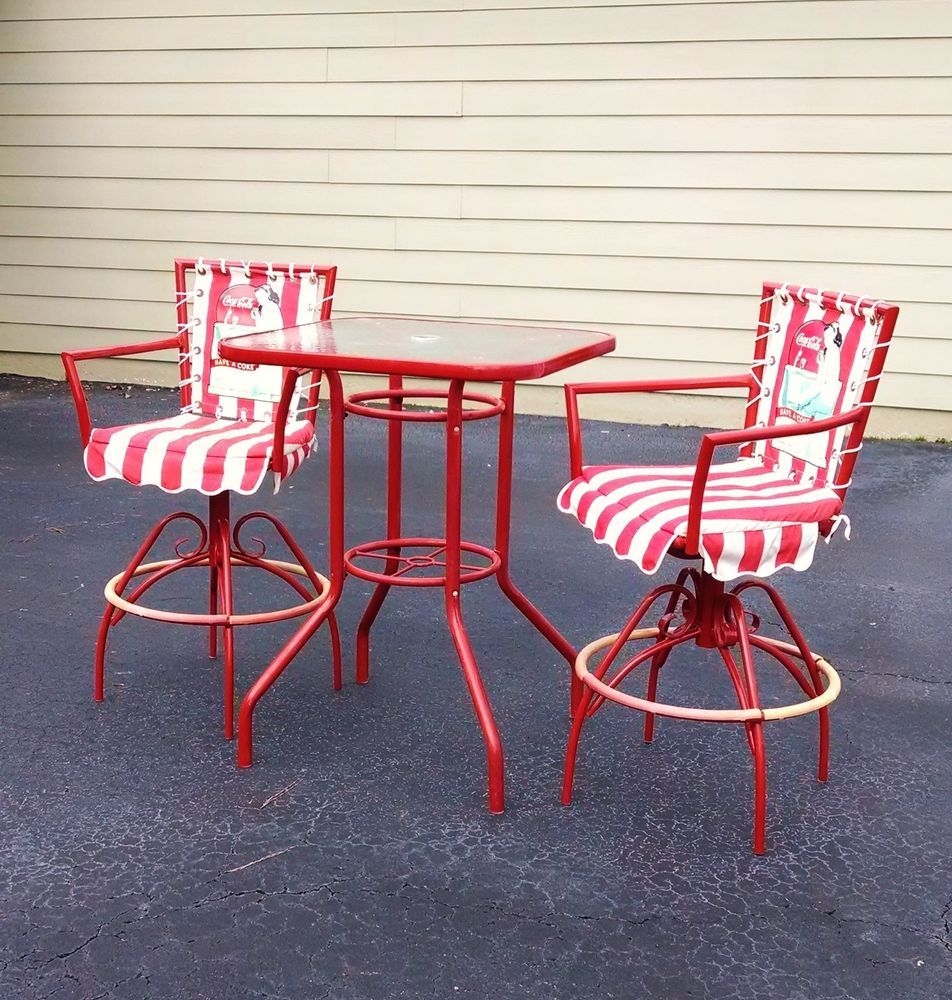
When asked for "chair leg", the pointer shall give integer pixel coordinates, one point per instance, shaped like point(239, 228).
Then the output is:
point(786, 616)
point(228, 634)
point(336, 652)
point(735, 614)
point(760, 787)
point(657, 662)
point(99, 662)
point(212, 608)
point(111, 615)
point(571, 750)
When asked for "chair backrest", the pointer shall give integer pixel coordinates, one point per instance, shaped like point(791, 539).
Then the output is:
point(818, 354)
point(222, 298)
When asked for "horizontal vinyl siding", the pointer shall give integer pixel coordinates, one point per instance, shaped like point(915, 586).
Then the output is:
point(635, 166)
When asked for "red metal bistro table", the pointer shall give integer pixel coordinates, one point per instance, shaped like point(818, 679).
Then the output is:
point(459, 352)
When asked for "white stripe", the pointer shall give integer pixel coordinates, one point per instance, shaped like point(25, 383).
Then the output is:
point(196, 453)
point(118, 443)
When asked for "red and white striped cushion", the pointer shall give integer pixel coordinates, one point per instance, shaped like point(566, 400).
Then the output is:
point(756, 520)
point(194, 452)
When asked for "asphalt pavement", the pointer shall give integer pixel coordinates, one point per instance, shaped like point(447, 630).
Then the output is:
point(357, 859)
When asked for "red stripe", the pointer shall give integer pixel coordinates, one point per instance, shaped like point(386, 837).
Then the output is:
point(134, 457)
point(797, 318)
point(714, 547)
point(206, 309)
point(753, 552)
point(791, 537)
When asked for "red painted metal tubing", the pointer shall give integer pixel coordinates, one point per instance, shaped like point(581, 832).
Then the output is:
point(396, 578)
point(491, 405)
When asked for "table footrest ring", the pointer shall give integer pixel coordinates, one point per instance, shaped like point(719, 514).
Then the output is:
point(389, 553)
point(489, 406)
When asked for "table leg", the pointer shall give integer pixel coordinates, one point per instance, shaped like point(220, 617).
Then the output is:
point(311, 624)
point(394, 502)
point(454, 616)
point(503, 527)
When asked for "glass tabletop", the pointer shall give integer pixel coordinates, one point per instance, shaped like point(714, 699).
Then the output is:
point(398, 345)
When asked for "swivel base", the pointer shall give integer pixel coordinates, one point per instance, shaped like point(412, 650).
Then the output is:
point(699, 611)
point(219, 550)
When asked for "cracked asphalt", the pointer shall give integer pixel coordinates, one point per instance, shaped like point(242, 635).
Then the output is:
point(356, 859)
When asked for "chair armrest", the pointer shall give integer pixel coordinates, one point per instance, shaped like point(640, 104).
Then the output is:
point(76, 386)
point(291, 377)
point(573, 390)
point(747, 435)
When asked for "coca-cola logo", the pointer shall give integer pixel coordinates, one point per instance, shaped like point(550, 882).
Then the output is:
point(238, 304)
point(807, 346)
point(813, 343)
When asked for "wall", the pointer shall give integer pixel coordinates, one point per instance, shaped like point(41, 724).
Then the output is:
point(639, 167)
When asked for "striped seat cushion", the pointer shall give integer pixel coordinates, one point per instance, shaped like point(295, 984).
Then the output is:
point(756, 520)
point(194, 452)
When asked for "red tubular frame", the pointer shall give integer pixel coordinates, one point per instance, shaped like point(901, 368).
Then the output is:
point(336, 570)
point(708, 616)
point(452, 547)
point(219, 547)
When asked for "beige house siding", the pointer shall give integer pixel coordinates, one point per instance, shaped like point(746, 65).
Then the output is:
point(638, 167)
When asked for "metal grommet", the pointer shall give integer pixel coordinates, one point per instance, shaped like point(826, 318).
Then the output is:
point(199, 292)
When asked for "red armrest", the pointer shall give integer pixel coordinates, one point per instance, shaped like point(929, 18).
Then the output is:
point(746, 435)
point(743, 380)
point(76, 386)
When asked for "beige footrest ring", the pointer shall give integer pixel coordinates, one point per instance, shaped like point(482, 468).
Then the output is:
point(184, 618)
point(826, 697)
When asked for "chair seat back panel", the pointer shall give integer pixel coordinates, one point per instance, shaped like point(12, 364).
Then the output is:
point(231, 301)
point(815, 364)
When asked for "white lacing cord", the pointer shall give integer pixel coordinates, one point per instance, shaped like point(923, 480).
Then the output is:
point(272, 274)
point(871, 313)
point(221, 265)
point(843, 486)
point(838, 454)
point(246, 268)
point(837, 521)
point(200, 265)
